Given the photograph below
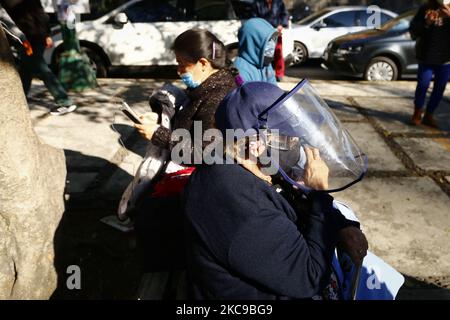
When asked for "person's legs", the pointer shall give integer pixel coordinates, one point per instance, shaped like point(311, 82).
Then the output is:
point(52, 83)
point(26, 72)
point(441, 77)
point(424, 76)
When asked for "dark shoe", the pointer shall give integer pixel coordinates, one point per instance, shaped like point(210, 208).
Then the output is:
point(279, 79)
point(429, 121)
point(59, 111)
point(417, 117)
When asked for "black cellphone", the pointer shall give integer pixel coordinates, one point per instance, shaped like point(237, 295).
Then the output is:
point(130, 113)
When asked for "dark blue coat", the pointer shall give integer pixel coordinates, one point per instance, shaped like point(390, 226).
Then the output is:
point(432, 42)
point(244, 241)
point(277, 16)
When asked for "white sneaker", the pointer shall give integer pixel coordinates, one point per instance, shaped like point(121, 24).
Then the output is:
point(59, 111)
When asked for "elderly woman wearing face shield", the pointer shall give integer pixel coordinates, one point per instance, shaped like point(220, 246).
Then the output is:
point(264, 227)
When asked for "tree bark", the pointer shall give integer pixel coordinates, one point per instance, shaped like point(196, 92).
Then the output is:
point(32, 180)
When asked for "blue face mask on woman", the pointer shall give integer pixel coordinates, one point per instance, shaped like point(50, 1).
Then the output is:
point(189, 80)
point(269, 51)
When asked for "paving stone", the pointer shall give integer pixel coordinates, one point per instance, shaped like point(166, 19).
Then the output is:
point(91, 132)
point(343, 109)
point(428, 153)
point(123, 175)
point(381, 158)
point(406, 221)
point(394, 114)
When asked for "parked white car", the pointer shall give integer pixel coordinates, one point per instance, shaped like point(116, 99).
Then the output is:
point(140, 33)
point(312, 34)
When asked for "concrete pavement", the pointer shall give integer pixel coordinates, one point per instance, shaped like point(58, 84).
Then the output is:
point(403, 203)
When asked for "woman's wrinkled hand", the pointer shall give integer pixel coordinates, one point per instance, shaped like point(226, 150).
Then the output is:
point(354, 243)
point(445, 11)
point(149, 125)
point(431, 16)
point(316, 170)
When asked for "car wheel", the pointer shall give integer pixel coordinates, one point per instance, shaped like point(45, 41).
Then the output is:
point(300, 54)
point(97, 62)
point(381, 69)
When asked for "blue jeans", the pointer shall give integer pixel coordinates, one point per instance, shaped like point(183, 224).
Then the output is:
point(35, 65)
point(424, 76)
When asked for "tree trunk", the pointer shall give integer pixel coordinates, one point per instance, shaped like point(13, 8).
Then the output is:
point(32, 180)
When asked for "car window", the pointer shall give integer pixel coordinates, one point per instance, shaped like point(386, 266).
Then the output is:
point(340, 19)
point(242, 9)
point(313, 17)
point(152, 11)
point(385, 18)
point(362, 18)
point(97, 10)
point(400, 23)
point(207, 10)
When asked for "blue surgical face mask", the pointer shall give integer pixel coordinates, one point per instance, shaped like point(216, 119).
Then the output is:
point(269, 51)
point(189, 81)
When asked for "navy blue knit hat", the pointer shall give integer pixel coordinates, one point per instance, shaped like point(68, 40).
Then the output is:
point(241, 107)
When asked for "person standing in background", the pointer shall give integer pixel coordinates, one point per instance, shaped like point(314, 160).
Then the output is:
point(257, 42)
point(431, 28)
point(274, 11)
point(30, 18)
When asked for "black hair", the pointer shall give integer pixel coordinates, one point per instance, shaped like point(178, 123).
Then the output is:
point(197, 43)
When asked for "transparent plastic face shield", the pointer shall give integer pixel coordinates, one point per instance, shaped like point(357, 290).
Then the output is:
point(301, 119)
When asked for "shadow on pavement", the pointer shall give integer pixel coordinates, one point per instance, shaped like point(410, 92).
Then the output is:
point(344, 110)
point(160, 72)
point(312, 69)
point(107, 258)
point(415, 289)
point(442, 116)
point(131, 141)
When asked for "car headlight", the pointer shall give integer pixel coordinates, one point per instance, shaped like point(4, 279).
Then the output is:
point(349, 50)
